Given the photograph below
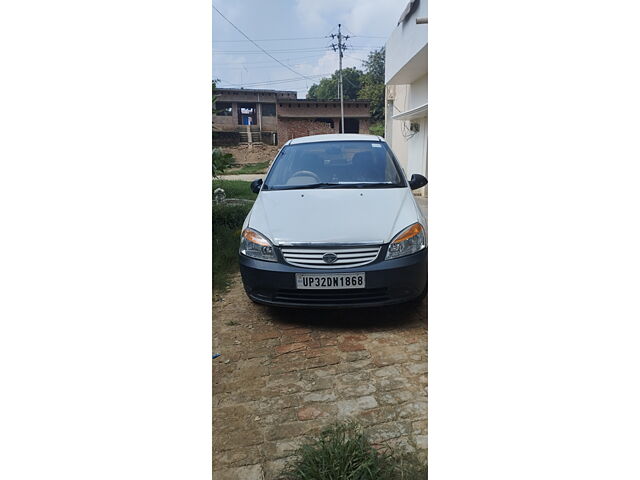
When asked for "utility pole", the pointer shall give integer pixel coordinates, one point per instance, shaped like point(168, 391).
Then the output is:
point(340, 47)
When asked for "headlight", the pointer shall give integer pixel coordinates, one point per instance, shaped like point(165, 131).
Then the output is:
point(408, 241)
point(256, 245)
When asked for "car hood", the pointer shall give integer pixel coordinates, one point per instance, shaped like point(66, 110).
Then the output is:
point(333, 215)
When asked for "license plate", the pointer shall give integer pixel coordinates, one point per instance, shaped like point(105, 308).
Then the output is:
point(329, 281)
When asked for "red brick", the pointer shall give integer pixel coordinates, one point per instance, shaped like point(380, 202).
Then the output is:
point(319, 352)
point(295, 330)
point(351, 347)
point(309, 413)
point(305, 337)
point(355, 337)
point(291, 347)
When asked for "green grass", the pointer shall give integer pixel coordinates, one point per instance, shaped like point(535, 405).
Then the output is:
point(235, 189)
point(343, 452)
point(227, 224)
point(249, 168)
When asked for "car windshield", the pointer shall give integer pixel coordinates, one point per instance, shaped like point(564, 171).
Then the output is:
point(337, 164)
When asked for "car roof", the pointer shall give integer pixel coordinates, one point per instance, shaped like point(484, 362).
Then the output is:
point(340, 137)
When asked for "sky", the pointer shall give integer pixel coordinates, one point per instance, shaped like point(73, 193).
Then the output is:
point(283, 28)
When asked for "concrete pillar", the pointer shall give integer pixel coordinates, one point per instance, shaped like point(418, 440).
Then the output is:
point(234, 113)
point(259, 115)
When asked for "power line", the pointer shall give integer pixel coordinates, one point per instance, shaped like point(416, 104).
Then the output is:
point(355, 58)
point(259, 67)
point(271, 82)
point(267, 53)
point(271, 39)
point(266, 61)
point(249, 52)
point(283, 79)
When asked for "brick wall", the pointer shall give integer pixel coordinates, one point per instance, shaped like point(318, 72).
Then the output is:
point(225, 124)
point(364, 125)
point(288, 129)
point(320, 109)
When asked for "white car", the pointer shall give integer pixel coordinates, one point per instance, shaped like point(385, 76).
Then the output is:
point(335, 224)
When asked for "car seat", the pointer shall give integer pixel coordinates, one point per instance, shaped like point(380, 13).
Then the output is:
point(363, 168)
point(311, 162)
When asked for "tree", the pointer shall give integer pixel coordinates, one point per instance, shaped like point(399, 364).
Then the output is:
point(327, 89)
point(367, 85)
point(374, 66)
point(374, 92)
point(213, 94)
point(373, 84)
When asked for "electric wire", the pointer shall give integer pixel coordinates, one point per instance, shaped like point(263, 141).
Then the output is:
point(267, 53)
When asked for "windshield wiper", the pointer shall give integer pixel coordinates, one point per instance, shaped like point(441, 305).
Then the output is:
point(365, 185)
point(338, 185)
point(300, 187)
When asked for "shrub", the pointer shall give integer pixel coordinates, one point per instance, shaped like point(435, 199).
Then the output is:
point(377, 129)
point(221, 161)
point(231, 216)
point(343, 452)
point(227, 223)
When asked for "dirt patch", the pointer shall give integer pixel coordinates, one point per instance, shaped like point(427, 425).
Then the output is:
point(284, 374)
point(258, 153)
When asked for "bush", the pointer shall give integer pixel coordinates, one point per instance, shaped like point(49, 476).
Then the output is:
point(343, 452)
point(226, 139)
point(230, 216)
point(227, 224)
point(377, 129)
point(221, 161)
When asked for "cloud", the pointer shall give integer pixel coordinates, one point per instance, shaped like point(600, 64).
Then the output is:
point(307, 18)
point(361, 17)
point(316, 14)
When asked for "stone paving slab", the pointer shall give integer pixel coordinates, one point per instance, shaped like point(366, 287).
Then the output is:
point(284, 374)
point(423, 204)
point(247, 177)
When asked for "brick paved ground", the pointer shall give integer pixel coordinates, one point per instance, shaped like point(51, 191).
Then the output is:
point(284, 374)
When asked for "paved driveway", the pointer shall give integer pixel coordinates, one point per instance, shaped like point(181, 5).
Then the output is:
point(247, 177)
point(422, 203)
point(284, 374)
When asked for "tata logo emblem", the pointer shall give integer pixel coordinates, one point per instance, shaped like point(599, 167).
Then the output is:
point(329, 257)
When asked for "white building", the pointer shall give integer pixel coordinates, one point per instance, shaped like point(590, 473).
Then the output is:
point(406, 89)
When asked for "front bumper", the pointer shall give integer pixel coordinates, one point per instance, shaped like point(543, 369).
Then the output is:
point(388, 282)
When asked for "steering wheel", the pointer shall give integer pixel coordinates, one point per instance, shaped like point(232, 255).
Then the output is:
point(306, 173)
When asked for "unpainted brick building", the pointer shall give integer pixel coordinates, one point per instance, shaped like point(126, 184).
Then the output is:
point(274, 116)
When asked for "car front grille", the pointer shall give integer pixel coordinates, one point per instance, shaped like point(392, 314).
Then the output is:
point(344, 257)
point(328, 297)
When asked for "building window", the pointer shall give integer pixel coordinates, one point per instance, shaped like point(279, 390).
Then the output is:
point(224, 109)
point(268, 109)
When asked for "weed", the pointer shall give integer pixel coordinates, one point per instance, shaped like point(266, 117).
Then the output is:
point(343, 452)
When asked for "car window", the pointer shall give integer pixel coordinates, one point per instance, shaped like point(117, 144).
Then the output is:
point(338, 164)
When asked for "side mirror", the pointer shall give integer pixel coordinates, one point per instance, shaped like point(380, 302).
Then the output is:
point(256, 185)
point(417, 181)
